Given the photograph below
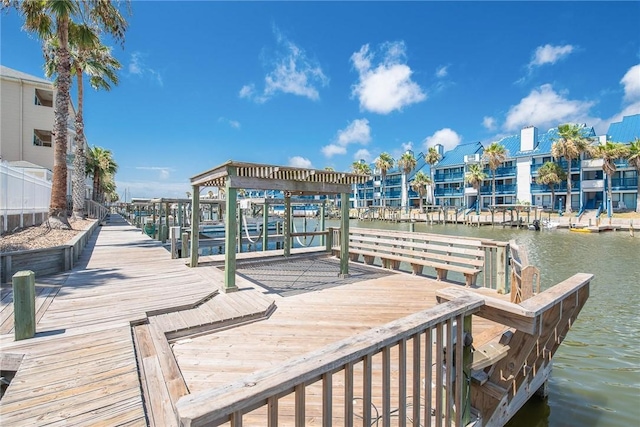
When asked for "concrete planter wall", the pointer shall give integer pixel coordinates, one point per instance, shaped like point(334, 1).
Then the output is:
point(45, 261)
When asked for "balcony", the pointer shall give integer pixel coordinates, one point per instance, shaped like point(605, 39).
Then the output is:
point(539, 188)
point(621, 163)
point(500, 189)
point(448, 176)
point(439, 192)
point(592, 164)
point(624, 183)
point(592, 184)
point(502, 171)
point(575, 166)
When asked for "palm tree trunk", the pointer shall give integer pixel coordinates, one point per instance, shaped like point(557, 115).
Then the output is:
point(568, 201)
point(79, 159)
point(553, 198)
point(609, 196)
point(493, 188)
point(58, 205)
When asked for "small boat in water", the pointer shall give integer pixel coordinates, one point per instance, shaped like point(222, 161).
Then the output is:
point(550, 225)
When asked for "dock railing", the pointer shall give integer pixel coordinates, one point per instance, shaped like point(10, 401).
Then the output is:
point(400, 371)
point(494, 270)
point(95, 210)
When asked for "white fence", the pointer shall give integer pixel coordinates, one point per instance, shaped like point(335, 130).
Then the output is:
point(24, 198)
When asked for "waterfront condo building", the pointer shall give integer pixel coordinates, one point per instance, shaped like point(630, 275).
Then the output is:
point(516, 177)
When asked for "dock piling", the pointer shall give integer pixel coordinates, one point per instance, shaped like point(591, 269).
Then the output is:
point(24, 304)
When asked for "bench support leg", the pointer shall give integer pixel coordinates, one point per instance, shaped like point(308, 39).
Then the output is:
point(441, 273)
point(417, 268)
point(470, 279)
point(353, 257)
point(368, 259)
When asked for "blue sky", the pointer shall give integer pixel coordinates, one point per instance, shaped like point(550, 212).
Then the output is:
point(325, 83)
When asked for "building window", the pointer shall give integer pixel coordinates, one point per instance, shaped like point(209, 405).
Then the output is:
point(42, 138)
point(44, 98)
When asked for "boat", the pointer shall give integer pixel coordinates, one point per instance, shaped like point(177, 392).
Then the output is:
point(298, 210)
point(550, 225)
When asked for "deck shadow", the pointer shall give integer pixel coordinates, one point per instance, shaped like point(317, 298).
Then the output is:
point(294, 277)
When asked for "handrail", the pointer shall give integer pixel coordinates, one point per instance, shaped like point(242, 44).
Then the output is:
point(599, 211)
point(95, 210)
point(441, 396)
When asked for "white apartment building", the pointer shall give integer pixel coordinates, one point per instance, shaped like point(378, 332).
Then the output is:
point(26, 122)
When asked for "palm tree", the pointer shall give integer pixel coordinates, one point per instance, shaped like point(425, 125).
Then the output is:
point(475, 176)
point(88, 56)
point(494, 155)
point(360, 167)
point(609, 152)
point(101, 165)
point(384, 162)
point(633, 157)
point(551, 174)
point(420, 184)
point(432, 157)
point(47, 18)
point(406, 163)
point(570, 144)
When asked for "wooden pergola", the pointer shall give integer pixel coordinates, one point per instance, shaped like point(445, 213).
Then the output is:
point(232, 176)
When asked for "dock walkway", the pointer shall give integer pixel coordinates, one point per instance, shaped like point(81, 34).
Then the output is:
point(81, 367)
point(126, 333)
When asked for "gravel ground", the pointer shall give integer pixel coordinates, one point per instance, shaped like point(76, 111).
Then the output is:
point(39, 237)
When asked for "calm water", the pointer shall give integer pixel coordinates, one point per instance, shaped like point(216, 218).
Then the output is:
point(596, 372)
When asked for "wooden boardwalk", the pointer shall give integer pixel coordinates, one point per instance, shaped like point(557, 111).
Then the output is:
point(129, 331)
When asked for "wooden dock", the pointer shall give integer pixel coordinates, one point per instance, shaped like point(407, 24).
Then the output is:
point(129, 332)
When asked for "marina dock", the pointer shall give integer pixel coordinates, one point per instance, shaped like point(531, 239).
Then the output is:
point(132, 337)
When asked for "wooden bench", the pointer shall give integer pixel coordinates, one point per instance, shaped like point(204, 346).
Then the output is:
point(525, 278)
point(442, 253)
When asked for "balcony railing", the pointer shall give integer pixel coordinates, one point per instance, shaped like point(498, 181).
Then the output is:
point(624, 183)
point(500, 189)
point(540, 188)
point(575, 166)
point(502, 171)
point(453, 176)
point(621, 163)
point(449, 191)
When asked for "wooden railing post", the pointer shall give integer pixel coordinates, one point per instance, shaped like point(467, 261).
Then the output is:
point(467, 358)
point(329, 239)
point(501, 268)
point(24, 304)
point(185, 245)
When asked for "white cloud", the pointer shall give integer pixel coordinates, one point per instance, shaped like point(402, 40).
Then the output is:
point(357, 131)
point(442, 71)
point(300, 162)
point(134, 65)
point(247, 91)
point(548, 54)
point(233, 123)
point(631, 83)
point(293, 72)
point(388, 86)
point(446, 137)
point(163, 172)
point(406, 146)
point(489, 123)
point(137, 67)
point(333, 149)
point(363, 154)
point(545, 108)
